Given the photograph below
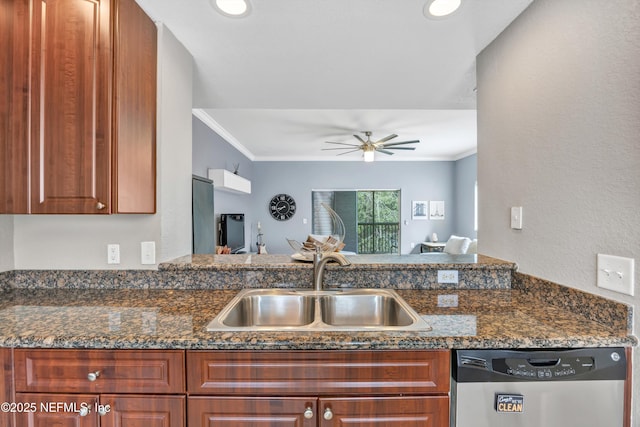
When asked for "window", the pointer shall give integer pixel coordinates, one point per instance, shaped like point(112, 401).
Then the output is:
point(371, 219)
point(378, 222)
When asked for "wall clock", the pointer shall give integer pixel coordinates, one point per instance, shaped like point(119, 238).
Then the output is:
point(282, 207)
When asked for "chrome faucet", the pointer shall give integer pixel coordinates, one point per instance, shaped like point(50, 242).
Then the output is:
point(320, 259)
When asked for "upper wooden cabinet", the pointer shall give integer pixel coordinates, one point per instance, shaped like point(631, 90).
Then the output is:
point(78, 107)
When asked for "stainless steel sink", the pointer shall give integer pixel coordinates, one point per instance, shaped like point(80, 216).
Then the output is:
point(307, 310)
point(364, 309)
point(271, 309)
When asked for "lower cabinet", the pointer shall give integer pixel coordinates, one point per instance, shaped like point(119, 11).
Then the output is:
point(398, 411)
point(177, 388)
point(318, 388)
point(99, 388)
point(109, 410)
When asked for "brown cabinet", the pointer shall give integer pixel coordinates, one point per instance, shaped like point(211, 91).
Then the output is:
point(124, 388)
point(77, 108)
point(6, 383)
point(318, 388)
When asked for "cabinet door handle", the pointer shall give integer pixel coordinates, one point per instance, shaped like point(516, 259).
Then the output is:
point(84, 411)
point(308, 413)
point(92, 376)
point(328, 414)
point(100, 205)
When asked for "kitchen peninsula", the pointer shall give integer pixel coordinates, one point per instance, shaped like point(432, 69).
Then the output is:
point(169, 308)
point(137, 340)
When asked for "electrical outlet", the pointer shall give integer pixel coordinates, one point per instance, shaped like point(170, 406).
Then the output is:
point(449, 300)
point(147, 252)
point(447, 276)
point(616, 273)
point(413, 245)
point(113, 253)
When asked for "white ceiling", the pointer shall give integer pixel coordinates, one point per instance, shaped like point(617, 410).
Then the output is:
point(295, 73)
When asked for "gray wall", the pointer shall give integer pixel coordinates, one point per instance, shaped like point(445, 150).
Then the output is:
point(558, 126)
point(80, 241)
point(417, 180)
point(466, 172)
point(6, 243)
point(210, 151)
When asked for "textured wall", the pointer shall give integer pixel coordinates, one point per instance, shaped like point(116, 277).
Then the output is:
point(558, 126)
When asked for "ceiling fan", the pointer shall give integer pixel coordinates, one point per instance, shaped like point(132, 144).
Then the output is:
point(369, 147)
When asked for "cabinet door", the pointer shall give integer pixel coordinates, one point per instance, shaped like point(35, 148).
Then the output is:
point(142, 411)
point(71, 106)
point(400, 411)
point(6, 384)
point(14, 102)
point(57, 410)
point(134, 130)
point(252, 412)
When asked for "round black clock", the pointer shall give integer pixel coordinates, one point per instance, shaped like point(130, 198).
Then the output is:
point(282, 207)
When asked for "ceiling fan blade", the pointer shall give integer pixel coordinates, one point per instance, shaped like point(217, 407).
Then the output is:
point(384, 151)
point(359, 138)
point(399, 148)
point(401, 143)
point(347, 152)
point(387, 138)
point(338, 148)
point(342, 143)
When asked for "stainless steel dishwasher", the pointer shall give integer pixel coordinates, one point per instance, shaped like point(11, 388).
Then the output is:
point(538, 388)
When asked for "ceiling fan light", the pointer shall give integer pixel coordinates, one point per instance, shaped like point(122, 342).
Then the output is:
point(439, 8)
point(232, 8)
point(369, 155)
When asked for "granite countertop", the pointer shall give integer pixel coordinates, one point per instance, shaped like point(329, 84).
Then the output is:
point(377, 262)
point(164, 318)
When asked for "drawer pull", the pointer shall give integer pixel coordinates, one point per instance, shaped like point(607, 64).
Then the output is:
point(84, 411)
point(100, 206)
point(93, 375)
point(103, 410)
point(328, 414)
point(308, 413)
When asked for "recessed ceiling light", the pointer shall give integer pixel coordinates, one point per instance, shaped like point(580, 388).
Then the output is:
point(440, 8)
point(232, 8)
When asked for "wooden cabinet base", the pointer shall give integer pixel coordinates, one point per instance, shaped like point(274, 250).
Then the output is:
point(251, 412)
point(402, 411)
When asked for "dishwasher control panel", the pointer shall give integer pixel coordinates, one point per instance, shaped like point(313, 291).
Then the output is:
point(544, 368)
point(483, 365)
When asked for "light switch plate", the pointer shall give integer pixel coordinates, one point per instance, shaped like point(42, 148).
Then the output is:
point(147, 252)
point(516, 217)
point(616, 273)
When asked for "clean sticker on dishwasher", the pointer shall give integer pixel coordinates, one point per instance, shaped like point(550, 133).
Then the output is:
point(509, 403)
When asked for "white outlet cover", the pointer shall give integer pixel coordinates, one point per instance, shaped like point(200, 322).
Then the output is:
point(447, 276)
point(113, 253)
point(616, 273)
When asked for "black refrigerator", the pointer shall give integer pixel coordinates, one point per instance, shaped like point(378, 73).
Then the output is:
point(203, 219)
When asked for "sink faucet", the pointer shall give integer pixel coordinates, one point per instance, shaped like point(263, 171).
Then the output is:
point(320, 259)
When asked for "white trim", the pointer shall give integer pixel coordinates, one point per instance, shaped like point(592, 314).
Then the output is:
point(215, 126)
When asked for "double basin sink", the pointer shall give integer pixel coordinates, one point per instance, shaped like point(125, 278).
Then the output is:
point(326, 310)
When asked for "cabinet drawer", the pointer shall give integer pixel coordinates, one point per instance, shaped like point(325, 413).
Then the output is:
point(318, 372)
point(405, 411)
point(251, 411)
point(118, 371)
